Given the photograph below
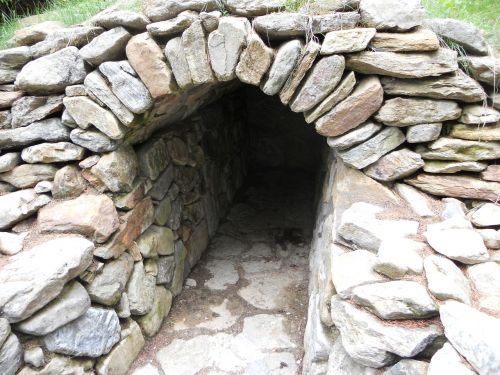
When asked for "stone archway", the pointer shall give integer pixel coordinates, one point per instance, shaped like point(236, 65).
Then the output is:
point(103, 150)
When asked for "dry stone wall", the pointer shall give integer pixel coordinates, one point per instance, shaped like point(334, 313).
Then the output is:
point(108, 194)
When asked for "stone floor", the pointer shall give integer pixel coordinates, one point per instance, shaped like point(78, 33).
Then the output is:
point(243, 309)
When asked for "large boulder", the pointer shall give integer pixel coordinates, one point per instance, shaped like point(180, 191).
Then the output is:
point(94, 216)
point(33, 278)
point(91, 335)
point(52, 73)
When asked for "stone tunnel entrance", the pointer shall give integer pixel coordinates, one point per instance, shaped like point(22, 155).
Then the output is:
point(244, 303)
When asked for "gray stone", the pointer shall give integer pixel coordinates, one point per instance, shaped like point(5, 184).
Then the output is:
point(153, 158)
point(151, 322)
point(16, 57)
point(11, 355)
point(447, 360)
point(93, 140)
point(158, 10)
point(176, 56)
point(28, 175)
point(372, 150)
point(97, 86)
point(419, 40)
point(373, 343)
point(173, 26)
point(391, 14)
point(479, 115)
point(354, 137)
point(408, 367)
point(463, 245)
point(5, 119)
point(115, 17)
point(196, 51)
point(341, 363)
point(52, 153)
point(68, 183)
point(59, 365)
point(405, 112)
point(491, 238)
point(4, 330)
point(473, 334)
point(210, 20)
point(108, 285)
point(156, 241)
point(29, 109)
point(341, 92)
point(8, 75)
point(130, 90)
point(117, 169)
point(72, 303)
point(87, 113)
point(166, 269)
point(180, 254)
point(148, 60)
point(492, 173)
point(9, 161)
point(395, 165)
point(458, 86)
point(403, 65)
point(20, 205)
point(436, 166)
point(352, 269)
point(475, 132)
point(417, 201)
point(90, 215)
point(396, 300)
point(284, 61)
point(34, 356)
point(459, 150)
point(91, 335)
point(44, 187)
point(225, 45)
point(398, 257)
point(367, 98)
point(281, 25)
point(7, 98)
point(422, 133)
point(346, 41)
point(140, 290)
point(52, 73)
point(250, 8)
point(459, 32)
point(75, 90)
point(304, 63)
point(321, 80)
point(486, 215)
point(324, 23)
point(11, 243)
point(162, 184)
point(121, 357)
point(74, 36)
point(27, 287)
point(485, 279)
point(108, 46)
point(483, 68)
point(35, 33)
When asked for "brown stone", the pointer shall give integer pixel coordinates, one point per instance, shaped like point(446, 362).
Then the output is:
point(7, 98)
point(93, 216)
point(457, 187)
point(129, 200)
point(366, 98)
point(133, 224)
point(419, 40)
point(395, 165)
point(68, 183)
point(492, 173)
point(148, 60)
point(255, 61)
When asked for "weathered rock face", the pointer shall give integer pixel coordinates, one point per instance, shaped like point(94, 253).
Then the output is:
point(11, 355)
point(484, 278)
point(52, 153)
point(391, 14)
point(255, 60)
point(151, 322)
point(395, 165)
point(419, 40)
point(108, 46)
point(141, 290)
point(346, 41)
point(52, 73)
point(284, 61)
point(94, 216)
point(354, 137)
point(20, 205)
point(225, 45)
point(403, 65)
point(176, 56)
point(367, 97)
point(28, 175)
point(196, 52)
point(9, 161)
point(117, 169)
point(91, 335)
point(27, 287)
point(148, 60)
point(447, 359)
point(173, 26)
point(484, 69)
point(158, 10)
point(113, 17)
point(460, 150)
point(29, 109)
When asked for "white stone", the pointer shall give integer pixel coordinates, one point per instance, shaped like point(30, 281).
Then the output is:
point(223, 273)
point(418, 202)
point(445, 280)
point(396, 15)
point(487, 215)
point(11, 243)
point(354, 137)
point(485, 279)
point(398, 257)
point(447, 360)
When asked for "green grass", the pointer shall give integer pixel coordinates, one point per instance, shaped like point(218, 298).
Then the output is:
point(69, 12)
point(484, 14)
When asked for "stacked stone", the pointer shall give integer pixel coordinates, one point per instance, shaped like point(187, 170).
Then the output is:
point(83, 113)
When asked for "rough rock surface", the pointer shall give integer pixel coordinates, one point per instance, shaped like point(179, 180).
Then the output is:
point(19, 205)
point(255, 60)
point(196, 51)
point(391, 14)
point(29, 109)
point(395, 165)
point(28, 286)
point(346, 41)
point(108, 46)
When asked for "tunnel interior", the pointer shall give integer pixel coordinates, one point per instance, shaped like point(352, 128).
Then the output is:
point(250, 285)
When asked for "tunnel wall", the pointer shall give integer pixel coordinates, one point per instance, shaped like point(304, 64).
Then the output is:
point(107, 188)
